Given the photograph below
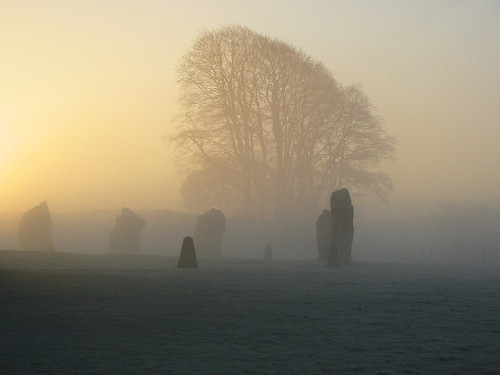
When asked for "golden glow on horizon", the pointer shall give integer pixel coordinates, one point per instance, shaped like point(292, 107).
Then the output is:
point(88, 91)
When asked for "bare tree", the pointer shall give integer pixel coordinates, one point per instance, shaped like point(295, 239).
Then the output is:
point(265, 130)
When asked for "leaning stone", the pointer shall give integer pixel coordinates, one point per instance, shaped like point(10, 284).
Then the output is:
point(35, 229)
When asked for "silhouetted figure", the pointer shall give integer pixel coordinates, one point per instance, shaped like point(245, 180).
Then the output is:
point(333, 256)
point(124, 238)
point(35, 229)
point(324, 234)
point(209, 233)
point(269, 252)
point(187, 259)
point(342, 224)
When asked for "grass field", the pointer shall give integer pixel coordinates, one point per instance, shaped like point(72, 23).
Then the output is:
point(66, 313)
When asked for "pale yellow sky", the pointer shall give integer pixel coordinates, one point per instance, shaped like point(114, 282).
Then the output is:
point(87, 92)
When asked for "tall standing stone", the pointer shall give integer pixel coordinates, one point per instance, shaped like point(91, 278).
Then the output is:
point(324, 234)
point(35, 229)
point(333, 256)
point(125, 236)
point(187, 259)
point(342, 224)
point(209, 233)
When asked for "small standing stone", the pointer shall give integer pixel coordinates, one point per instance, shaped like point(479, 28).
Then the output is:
point(269, 252)
point(187, 259)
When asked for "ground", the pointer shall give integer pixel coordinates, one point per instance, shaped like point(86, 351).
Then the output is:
point(100, 314)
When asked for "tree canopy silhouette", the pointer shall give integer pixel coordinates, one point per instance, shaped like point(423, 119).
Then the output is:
point(266, 131)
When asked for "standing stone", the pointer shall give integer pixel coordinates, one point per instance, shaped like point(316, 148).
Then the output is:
point(187, 259)
point(333, 256)
point(124, 238)
point(35, 229)
point(342, 224)
point(324, 234)
point(209, 233)
point(269, 252)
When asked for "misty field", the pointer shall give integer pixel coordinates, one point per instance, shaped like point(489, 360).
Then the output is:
point(67, 313)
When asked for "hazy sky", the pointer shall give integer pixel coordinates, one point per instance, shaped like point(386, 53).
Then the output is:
point(88, 91)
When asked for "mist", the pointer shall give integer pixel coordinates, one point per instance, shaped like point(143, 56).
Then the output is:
point(123, 124)
point(451, 234)
point(87, 104)
point(88, 96)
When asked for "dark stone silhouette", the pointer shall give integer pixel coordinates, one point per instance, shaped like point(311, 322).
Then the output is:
point(187, 259)
point(35, 229)
point(333, 256)
point(269, 252)
point(209, 233)
point(124, 238)
point(342, 224)
point(324, 234)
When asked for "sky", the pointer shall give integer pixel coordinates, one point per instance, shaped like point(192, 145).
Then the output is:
point(88, 93)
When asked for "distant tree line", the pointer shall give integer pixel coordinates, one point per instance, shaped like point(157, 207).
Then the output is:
point(266, 131)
